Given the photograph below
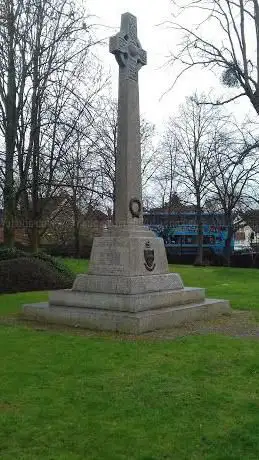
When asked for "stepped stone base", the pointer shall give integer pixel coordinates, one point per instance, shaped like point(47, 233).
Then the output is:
point(125, 321)
point(127, 289)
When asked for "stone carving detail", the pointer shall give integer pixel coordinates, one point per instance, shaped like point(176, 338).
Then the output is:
point(127, 48)
point(149, 256)
point(133, 27)
point(135, 207)
point(107, 257)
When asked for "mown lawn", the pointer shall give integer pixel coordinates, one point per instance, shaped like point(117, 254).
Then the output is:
point(66, 397)
point(75, 398)
point(77, 265)
point(239, 285)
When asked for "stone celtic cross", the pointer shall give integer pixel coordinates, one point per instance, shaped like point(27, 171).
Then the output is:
point(126, 47)
point(128, 190)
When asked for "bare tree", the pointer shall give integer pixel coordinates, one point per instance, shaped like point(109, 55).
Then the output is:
point(194, 131)
point(81, 183)
point(106, 130)
point(151, 157)
point(166, 179)
point(49, 45)
point(233, 172)
point(106, 150)
point(226, 38)
point(8, 16)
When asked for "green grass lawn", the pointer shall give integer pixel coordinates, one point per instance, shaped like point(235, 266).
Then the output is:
point(77, 265)
point(239, 285)
point(75, 398)
point(66, 397)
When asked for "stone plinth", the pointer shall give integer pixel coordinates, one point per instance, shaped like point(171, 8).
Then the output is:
point(124, 255)
point(124, 321)
point(127, 303)
point(121, 294)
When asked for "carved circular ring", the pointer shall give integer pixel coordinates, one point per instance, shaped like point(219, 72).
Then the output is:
point(132, 50)
point(135, 207)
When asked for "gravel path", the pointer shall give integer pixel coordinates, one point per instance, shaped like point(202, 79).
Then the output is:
point(238, 324)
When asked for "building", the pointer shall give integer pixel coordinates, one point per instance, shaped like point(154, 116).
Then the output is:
point(248, 232)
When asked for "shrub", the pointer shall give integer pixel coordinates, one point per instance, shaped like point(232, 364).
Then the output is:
point(55, 263)
point(31, 274)
point(11, 253)
point(22, 271)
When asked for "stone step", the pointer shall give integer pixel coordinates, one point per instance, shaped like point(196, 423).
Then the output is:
point(127, 284)
point(126, 322)
point(123, 302)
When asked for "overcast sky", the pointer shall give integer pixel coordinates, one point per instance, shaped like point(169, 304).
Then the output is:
point(156, 77)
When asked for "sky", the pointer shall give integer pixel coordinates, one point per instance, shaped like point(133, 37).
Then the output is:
point(155, 79)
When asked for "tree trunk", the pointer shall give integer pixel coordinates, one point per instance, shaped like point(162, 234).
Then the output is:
point(227, 249)
point(35, 238)
point(113, 206)
point(199, 256)
point(10, 137)
point(76, 233)
point(76, 224)
point(35, 139)
point(77, 241)
point(35, 194)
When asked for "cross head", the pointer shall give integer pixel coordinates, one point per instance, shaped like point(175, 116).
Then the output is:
point(127, 48)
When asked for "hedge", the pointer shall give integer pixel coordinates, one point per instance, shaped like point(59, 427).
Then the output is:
point(23, 271)
point(31, 274)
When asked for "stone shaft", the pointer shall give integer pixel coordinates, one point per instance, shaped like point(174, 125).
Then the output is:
point(128, 190)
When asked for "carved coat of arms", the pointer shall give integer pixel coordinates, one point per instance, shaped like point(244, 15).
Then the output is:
point(149, 256)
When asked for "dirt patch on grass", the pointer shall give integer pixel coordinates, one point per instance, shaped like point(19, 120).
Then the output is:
point(237, 324)
point(7, 407)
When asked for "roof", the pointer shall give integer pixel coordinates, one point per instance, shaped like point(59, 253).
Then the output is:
point(251, 218)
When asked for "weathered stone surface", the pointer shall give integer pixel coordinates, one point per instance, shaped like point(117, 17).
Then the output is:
point(133, 323)
point(116, 284)
point(130, 57)
point(125, 256)
point(128, 302)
